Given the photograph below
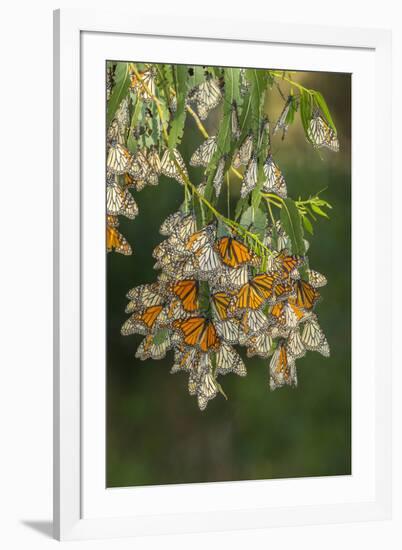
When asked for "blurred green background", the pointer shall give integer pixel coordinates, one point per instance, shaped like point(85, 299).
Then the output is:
point(155, 431)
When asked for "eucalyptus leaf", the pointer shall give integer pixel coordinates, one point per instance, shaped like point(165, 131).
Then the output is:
point(291, 223)
point(324, 108)
point(181, 77)
point(120, 89)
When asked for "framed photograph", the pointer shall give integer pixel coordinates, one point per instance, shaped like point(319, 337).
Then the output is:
point(221, 358)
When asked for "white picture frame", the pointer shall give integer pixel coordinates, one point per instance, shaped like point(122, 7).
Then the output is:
point(83, 507)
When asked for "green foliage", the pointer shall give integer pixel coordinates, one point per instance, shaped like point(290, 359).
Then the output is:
point(291, 223)
point(120, 90)
point(256, 220)
point(322, 104)
point(181, 79)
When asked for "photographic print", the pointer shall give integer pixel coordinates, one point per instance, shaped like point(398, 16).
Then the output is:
point(228, 250)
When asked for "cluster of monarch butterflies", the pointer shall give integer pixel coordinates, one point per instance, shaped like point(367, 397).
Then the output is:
point(212, 294)
point(214, 291)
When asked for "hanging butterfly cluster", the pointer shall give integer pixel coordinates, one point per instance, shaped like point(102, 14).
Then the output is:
point(223, 282)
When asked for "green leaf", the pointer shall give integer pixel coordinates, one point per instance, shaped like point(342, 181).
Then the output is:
point(291, 223)
point(308, 226)
point(222, 230)
point(255, 219)
point(224, 137)
point(177, 126)
point(324, 108)
point(241, 207)
point(160, 336)
point(318, 211)
point(120, 90)
point(306, 111)
point(258, 81)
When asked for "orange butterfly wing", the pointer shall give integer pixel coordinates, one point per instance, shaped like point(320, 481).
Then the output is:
point(221, 301)
point(116, 241)
point(306, 295)
point(187, 291)
point(149, 316)
point(233, 253)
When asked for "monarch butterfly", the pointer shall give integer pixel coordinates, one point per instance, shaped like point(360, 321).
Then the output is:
point(170, 163)
point(287, 264)
point(294, 345)
point(200, 366)
point(208, 261)
point(203, 154)
point(207, 389)
point(219, 174)
point(200, 238)
point(282, 123)
point(244, 83)
point(198, 331)
point(275, 182)
point(281, 241)
point(207, 96)
point(148, 349)
point(112, 221)
point(255, 293)
point(144, 85)
point(154, 160)
point(118, 158)
point(282, 369)
point(254, 321)
point(146, 167)
point(320, 134)
point(244, 153)
point(187, 291)
point(283, 291)
point(172, 221)
point(184, 359)
point(316, 279)
point(179, 225)
point(229, 330)
point(234, 118)
point(142, 322)
point(250, 177)
point(228, 360)
point(233, 253)
point(221, 301)
point(120, 202)
point(116, 241)
point(259, 344)
point(110, 73)
point(313, 337)
point(144, 296)
point(232, 279)
point(306, 295)
point(286, 314)
point(122, 115)
point(114, 133)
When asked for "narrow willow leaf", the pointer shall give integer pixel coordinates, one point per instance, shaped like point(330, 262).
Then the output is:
point(306, 111)
point(324, 108)
point(308, 226)
point(241, 206)
point(120, 89)
point(258, 81)
point(318, 210)
point(291, 223)
point(177, 126)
